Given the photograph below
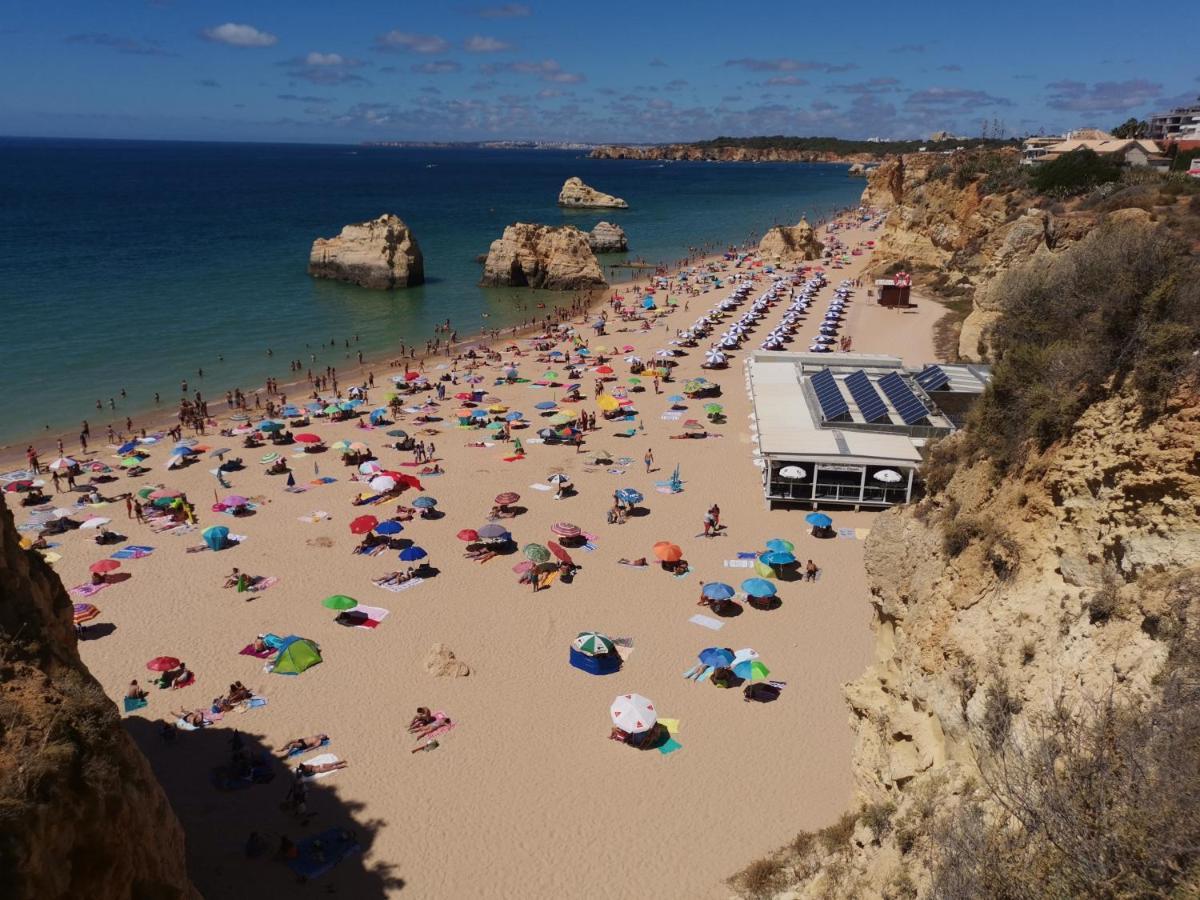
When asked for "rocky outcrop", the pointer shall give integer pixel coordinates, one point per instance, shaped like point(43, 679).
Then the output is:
point(81, 814)
point(540, 256)
point(857, 170)
point(608, 238)
point(381, 254)
point(576, 194)
point(790, 243)
point(709, 153)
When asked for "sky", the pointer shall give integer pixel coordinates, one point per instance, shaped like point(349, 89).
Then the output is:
point(361, 70)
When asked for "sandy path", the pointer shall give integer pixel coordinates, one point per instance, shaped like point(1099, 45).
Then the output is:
point(526, 797)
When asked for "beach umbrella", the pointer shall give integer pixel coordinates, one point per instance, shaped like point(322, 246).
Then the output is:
point(546, 404)
point(507, 498)
point(398, 433)
point(389, 527)
point(792, 472)
point(629, 495)
point(759, 588)
point(269, 425)
point(559, 553)
point(717, 657)
point(750, 669)
point(565, 529)
point(145, 493)
point(163, 664)
point(216, 536)
point(468, 535)
point(713, 409)
point(633, 713)
point(523, 566)
point(780, 545)
point(424, 503)
point(104, 565)
point(363, 524)
point(536, 553)
point(776, 558)
point(494, 533)
point(84, 612)
point(381, 484)
point(592, 643)
point(339, 602)
point(370, 467)
point(130, 461)
point(378, 415)
point(559, 478)
point(126, 447)
point(495, 426)
point(478, 414)
point(603, 370)
point(888, 476)
point(607, 403)
point(235, 500)
point(412, 554)
point(95, 522)
point(15, 487)
point(547, 434)
point(819, 520)
point(665, 551)
point(162, 493)
point(562, 418)
point(718, 590)
point(514, 416)
point(550, 376)
point(307, 438)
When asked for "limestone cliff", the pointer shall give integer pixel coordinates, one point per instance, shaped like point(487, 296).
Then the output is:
point(790, 243)
point(608, 238)
point(539, 256)
point(576, 194)
point(381, 254)
point(707, 153)
point(81, 814)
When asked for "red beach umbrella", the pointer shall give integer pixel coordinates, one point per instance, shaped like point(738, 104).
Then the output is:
point(363, 524)
point(163, 664)
point(507, 498)
point(411, 480)
point(604, 370)
point(667, 552)
point(565, 529)
point(105, 565)
point(307, 438)
point(14, 487)
point(84, 612)
point(468, 535)
point(559, 553)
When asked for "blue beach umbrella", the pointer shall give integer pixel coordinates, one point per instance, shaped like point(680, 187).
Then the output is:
point(424, 503)
point(378, 415)
point(269, 425)
point(289, 410)
point(718, 590)
point(126, 447)
point(780, 545)
point(675, 398)
point(759, 588)
point(412, 554)
point(546, 404)
point(629, 495)
point(216, 536)
point(389, 527)
point(820, 520)
point(775, 558)
point(750, 669)
point(479, 414)
point(717, 657)
point(514, 416)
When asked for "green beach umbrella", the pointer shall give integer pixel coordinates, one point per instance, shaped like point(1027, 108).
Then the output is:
point(339, 601)
point(693, 387)
point(592, 643)
point(750, 669)
point(713, 408)
point(129, 462)
point(536, 553)
point(145, 492)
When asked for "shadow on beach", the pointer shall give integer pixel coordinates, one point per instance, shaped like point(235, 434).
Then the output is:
point(219, 822)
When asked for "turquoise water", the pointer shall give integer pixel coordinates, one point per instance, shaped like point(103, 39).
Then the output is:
point(135, 264)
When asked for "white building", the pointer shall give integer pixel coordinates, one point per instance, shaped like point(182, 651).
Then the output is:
point(849, 428)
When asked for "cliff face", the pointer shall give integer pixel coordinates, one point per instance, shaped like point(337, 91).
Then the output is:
point(790, 243)
point(693, 153)
point(576, 194)
point(957, 236)
point(82, 815)
point(538, 256)
point(381, 254)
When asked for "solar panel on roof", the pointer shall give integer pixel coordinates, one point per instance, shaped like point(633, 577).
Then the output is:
point(870, 404)
point(909, 407)
point(833, 404)
point(933, 378)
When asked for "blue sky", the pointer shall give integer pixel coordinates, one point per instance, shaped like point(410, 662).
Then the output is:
point(613, 71)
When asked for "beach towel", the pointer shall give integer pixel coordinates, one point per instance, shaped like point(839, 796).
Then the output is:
point(747, 554)
point(255, 702)
point(670, 747)
point(262, 583)
point(541, 487)
point(372, 616)
point(847, 533)
point(50, 556)
point(315, 859)
point(188, 726)
point(512, 458)
point(548, 579)
point(88, 590)
point(321, 760)
point(298, 751)
point(249, 650)
point(739, 564)
point(672, 725)
point(135, 703)
point(133, 551)
point(707, 622)
point(296, 489)
point(402, 586)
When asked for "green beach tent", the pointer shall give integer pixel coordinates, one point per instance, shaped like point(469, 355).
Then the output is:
point(296, 657)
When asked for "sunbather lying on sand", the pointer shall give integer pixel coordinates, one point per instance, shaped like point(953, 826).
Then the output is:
point(423, 718)
point(639, 563)
point(431, 727)
point(393, 578)
point(195, 717)
point(305, 770)
point(303, 745)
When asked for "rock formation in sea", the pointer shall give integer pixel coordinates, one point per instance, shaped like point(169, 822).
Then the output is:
point(608, 238)
point(81, 814)
point(540, 256)
point(790, 243)
point(576, 194)
point(381, 254)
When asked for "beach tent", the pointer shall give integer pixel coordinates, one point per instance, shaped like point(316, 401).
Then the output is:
point(216, 537)
point(595, 654)
point(295, 656)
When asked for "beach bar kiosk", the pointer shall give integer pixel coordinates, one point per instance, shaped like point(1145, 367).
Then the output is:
point(840, 428)
point(894, 291)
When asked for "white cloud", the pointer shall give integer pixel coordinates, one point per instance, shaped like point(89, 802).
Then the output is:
point(417, 43)
point(480, 44)
point(324, 59)
point(240, 35)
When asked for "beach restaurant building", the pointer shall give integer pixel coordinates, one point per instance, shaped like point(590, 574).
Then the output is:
point(850, 428)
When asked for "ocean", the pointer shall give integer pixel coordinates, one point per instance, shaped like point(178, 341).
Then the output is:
point(136, 264)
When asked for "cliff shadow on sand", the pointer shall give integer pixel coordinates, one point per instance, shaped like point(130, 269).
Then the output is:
point(218, 822)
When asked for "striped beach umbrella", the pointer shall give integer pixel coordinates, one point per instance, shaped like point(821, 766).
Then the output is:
point(592, 643)
point(507, 498)
point(84, 612)
point(565, 529)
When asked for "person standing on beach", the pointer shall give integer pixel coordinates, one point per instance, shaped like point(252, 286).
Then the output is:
point(649, 460)
point(31, 458)
point(128, 506)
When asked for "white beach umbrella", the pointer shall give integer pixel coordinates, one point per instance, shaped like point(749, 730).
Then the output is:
point(888, 476)
point(95, 522)
point(792, 472)
point(63, 462)
point(62, 512)
point(383, 483)
point(633, 713)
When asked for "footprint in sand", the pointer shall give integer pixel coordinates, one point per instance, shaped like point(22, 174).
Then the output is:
point(320, 542)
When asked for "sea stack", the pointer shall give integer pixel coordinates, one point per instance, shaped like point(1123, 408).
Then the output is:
point(539, 256)
point(608, 238)
point(790, 242)
point(381, 254)
point(577, 195)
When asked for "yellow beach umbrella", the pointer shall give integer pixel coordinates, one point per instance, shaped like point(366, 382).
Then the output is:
point(607, 402)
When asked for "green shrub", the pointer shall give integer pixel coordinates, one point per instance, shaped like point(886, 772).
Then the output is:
point(1074, 172)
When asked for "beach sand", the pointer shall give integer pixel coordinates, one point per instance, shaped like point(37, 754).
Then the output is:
point(527, 796)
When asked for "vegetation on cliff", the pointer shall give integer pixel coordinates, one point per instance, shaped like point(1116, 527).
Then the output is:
point(844, 147)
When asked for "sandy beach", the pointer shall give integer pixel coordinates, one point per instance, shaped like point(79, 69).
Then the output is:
point(526, 796)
